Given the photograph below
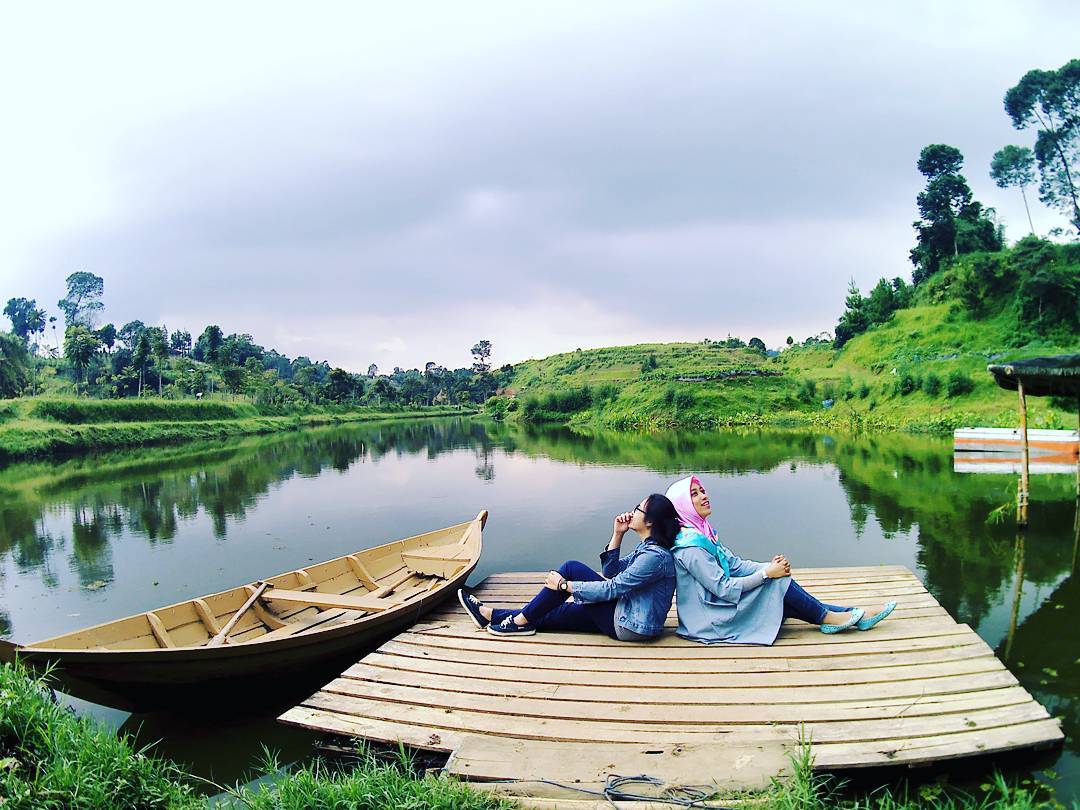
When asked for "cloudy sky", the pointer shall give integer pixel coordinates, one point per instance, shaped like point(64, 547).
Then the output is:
point(391, 182)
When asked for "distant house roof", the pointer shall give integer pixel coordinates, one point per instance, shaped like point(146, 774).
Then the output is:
point(1042, 376)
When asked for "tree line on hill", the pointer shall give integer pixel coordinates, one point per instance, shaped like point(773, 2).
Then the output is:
point(137, 359)
point(1038, 275)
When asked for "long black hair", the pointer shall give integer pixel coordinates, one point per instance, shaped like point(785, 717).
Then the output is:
point(663, 520)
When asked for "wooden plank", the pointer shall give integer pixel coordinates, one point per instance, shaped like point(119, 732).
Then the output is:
point(731, 767)
point(816, 646)
point(1039, 733)
point(159, 631)
point(206, 616)
point(785, 677)
point(319, 621)
point(363, 576)
point(691, 715)
point(393, 585)
point(264, 615)
point(369, 603)
point(557, 728)
point(746, 691)
point(433, 739)
point(726, 659)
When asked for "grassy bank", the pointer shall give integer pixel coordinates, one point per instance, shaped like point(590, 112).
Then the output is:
point(44, 428)
point(52, 759)
point(921, 367)
point(707, 386)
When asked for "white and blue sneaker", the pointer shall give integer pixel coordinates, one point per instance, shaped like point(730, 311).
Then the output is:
point(472, 606)
point(507, 627)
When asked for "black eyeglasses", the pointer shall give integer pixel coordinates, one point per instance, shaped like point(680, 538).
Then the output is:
point(639, 509)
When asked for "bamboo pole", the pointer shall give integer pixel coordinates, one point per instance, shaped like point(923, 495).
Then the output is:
point(1022, 491)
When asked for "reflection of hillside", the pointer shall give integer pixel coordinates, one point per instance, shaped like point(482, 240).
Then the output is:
point(904, 482)
point(1050, 668)
point(667, 452)
point(908, 482)
point(150, 497)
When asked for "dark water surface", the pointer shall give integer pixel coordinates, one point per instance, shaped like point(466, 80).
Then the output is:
point(95, 539)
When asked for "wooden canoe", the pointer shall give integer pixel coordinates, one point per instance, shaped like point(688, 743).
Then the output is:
point(242, 640)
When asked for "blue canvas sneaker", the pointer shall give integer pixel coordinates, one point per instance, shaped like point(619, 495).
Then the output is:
point(507, 628)
point(472, 606)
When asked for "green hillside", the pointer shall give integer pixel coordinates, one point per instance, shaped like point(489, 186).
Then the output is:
point(922, 369)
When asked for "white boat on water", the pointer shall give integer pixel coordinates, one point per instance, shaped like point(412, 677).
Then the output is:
point(1008, 440)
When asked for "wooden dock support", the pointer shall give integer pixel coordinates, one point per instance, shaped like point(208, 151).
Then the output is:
point(1022, 492)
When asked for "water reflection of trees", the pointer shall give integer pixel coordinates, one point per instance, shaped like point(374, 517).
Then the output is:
point(151, 499)
point(904, 483)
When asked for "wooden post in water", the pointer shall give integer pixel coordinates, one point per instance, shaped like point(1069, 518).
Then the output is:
point(1022, 491)
point(1018, 592)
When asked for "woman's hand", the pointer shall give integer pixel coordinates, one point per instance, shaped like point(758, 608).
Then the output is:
point(776, 570)
point(780, 558)
point(622, 524)
point(554, 580)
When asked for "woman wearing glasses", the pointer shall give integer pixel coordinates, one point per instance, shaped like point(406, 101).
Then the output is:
point(629, 601)
point(724, 598)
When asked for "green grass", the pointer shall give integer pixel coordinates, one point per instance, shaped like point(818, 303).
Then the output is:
point(72, 411)
point(49, 758)
point(28, 436)
point(903, 374)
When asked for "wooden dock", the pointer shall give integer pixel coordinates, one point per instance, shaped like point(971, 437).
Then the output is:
point(573, 708)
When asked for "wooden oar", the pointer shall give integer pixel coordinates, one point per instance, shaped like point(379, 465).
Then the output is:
point(220, 638)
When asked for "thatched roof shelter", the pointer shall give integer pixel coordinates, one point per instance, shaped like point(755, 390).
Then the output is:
point(1041, 376)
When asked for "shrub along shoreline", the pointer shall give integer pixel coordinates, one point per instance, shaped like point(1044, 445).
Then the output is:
point(49, 428)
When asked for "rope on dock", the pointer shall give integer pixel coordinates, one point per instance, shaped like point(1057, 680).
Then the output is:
point(678, 796)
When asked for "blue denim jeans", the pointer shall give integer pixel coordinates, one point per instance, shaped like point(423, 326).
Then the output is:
point(798, 604)
point(549, 609)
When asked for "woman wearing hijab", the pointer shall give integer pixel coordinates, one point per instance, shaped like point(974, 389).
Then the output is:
point(628, 602)
point(724, 598)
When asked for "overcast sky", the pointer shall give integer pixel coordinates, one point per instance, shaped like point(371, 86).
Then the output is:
point(391, 182)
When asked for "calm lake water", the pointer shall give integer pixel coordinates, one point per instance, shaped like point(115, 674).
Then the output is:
point(93, 539)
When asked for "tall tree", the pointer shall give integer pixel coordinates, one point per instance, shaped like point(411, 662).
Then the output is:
point(1050, 100)
point(1014, 167)
point(80, 344)
point(180, 342)
point(951, 222)
point(481, 353)
point(14, 365)
point(82, 304)
point(212, 339)
point(129, 333)
point(854, 321)
point(26, 319)
point(140, 356)
point(107, 336)
point(159, 348)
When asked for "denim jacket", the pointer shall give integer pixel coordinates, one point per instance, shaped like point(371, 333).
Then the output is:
point(643, 584)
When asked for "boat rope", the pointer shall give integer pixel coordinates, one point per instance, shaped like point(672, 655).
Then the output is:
point(614, 790)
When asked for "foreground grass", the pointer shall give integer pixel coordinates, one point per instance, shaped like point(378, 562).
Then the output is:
point(49, 758)
point(50, 428)
point(52, 759)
